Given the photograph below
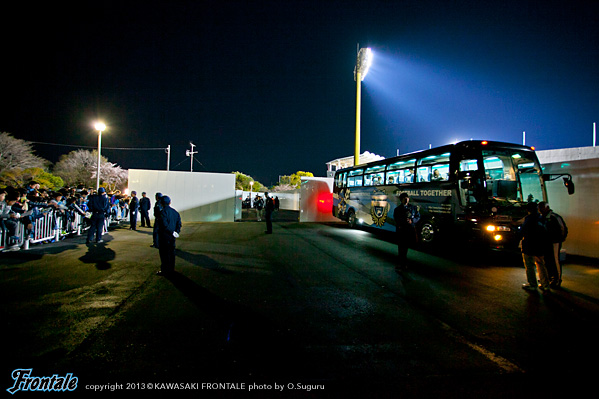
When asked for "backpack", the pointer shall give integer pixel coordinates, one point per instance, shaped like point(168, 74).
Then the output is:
point(562, 225)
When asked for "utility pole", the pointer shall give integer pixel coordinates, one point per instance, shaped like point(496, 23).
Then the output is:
point(168, 157)
point(190, 153)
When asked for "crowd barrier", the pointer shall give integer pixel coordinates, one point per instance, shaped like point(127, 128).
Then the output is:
point(51, 227)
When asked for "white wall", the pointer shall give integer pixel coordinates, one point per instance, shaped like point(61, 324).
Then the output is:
point(581, 210)
point(198, 197)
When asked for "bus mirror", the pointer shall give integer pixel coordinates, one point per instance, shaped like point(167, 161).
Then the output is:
point(569, 184)
point(567, 180)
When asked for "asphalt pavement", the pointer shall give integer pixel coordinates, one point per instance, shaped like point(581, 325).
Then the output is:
point(313, 310)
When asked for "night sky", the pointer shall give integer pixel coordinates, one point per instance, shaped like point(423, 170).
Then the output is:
point(266, 88)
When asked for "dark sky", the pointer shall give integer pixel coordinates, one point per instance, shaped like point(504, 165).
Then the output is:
point(267, 88)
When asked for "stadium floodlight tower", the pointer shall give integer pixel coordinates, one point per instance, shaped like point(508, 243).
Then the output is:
point(362, 65)
point(100, 127)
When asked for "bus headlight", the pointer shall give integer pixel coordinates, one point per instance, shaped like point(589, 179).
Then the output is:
point(498, 237)
point(492, 228)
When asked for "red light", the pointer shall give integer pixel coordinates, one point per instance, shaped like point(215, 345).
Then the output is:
point(324, 202)
point(485, 143)
point(532, 148)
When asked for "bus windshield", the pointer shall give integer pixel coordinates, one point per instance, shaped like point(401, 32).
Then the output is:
point(512, 175)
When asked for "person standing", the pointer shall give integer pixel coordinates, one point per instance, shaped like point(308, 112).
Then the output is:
point(557, 231)
point(144, 209)
point(533, 241)
point(259, 204)
point(169, 227)
point(99, 206)
point(157, 210)
point(133, 207)
point(269, 207)
point(405, 216)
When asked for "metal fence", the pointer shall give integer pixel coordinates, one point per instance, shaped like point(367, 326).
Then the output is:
point(50, 227)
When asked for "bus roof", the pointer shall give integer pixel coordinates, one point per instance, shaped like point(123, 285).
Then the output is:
point(468, 144)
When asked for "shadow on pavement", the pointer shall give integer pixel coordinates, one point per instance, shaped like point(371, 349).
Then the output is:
point(202, 261)
point(100, 255)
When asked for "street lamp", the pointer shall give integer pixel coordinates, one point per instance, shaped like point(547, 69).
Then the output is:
point(100, 127)
point(362, 64)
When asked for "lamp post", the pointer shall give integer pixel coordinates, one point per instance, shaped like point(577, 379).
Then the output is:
point(362, 64)
point(100, 127)
point(251, 186)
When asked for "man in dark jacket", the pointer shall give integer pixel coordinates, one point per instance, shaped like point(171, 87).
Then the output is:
point(133, 207)
point(99, 206)
point(169, 227)
point(533, 246)
point(269, 207)
point(405, 216)
point(157, 210)
point(144, 208)
point(557, 232)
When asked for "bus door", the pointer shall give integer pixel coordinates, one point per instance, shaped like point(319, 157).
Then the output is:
point(470, 183)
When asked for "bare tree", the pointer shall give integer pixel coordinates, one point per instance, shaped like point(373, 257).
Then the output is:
point(80, 167)
point(18, 154)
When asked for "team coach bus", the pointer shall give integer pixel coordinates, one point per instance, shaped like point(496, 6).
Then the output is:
point(474, 190)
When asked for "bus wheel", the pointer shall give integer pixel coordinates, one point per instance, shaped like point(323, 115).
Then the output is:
point(351, 218)
point(427, 232)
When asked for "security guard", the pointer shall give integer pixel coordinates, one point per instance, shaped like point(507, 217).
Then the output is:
point(169, 227)
point(99, 205)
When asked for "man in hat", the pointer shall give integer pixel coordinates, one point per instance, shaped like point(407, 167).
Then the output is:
point(99, 206)
point(169, 227)
point(133, 206)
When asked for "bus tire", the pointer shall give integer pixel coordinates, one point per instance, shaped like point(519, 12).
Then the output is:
point(351, 218)
point(427, 233)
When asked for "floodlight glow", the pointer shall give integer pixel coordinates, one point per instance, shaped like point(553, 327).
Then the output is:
point(99, 126)
point(363, 63)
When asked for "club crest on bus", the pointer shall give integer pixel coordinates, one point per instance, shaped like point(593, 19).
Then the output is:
point(379, 207)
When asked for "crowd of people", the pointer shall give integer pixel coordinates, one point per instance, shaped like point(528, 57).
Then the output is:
point(24, 205)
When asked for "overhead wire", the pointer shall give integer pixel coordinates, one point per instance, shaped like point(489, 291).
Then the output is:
point(104, 148)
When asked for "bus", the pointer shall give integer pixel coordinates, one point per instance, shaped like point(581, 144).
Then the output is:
point(471, 190)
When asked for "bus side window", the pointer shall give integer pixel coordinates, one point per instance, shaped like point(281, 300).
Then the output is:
point(424, 174)
point(408, 176)
point(440, 172)
point(468, 164)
